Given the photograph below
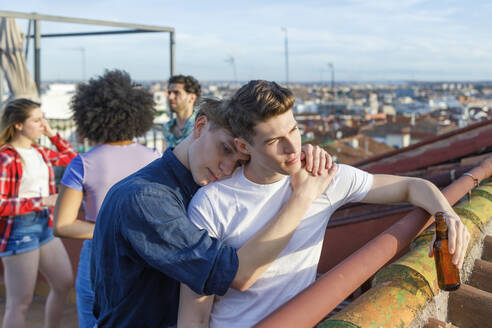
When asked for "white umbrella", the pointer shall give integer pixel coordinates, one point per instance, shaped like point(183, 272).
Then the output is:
point(13, 63)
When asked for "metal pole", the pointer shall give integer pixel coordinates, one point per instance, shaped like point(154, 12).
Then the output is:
point(84, 66)
point(37, 55)
point(286, 57)
point(333, 80)
point(330, 65)
point(58, 35)
point(1, 86)
point(235, 71)
point(4, 13)
point(28, 37)
point(172, 44)
point(231, 61)
point(286, 51)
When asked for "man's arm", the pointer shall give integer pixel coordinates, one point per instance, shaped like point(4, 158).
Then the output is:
point(424, 194)
point(194, 310)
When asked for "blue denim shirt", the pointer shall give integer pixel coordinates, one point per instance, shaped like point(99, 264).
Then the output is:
point(144, 245)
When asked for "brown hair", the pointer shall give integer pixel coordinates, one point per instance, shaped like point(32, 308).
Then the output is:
point(190, 84)
point(216, 112)
point(257, 101)
point(16, 111)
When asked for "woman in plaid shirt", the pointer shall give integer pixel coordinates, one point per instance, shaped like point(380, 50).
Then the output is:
point(27, 197)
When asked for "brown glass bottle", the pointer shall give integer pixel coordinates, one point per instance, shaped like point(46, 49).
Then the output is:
point(448, 275)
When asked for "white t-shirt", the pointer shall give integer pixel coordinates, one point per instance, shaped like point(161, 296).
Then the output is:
point(35, 176)
point(234, 209)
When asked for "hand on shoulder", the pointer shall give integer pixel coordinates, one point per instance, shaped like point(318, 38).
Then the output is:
point(309, 186)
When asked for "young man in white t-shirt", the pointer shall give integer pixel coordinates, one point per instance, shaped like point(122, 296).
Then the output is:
point(235, 208)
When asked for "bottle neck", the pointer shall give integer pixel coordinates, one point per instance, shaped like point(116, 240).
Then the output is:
point(441, 229)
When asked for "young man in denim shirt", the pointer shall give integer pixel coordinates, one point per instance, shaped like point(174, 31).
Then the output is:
point(144, 245)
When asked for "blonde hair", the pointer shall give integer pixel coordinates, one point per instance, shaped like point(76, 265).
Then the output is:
point(16, 111)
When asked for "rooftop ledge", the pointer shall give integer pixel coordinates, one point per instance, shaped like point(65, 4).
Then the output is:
point(404, 293)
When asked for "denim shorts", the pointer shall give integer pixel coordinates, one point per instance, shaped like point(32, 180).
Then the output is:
point(29, 232)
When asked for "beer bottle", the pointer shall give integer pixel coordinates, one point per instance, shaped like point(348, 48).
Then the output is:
point(448, 275)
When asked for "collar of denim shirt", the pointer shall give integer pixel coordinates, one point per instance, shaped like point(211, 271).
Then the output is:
point(182, 174)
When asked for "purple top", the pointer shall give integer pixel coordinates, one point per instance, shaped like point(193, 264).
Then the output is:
point(100, 168)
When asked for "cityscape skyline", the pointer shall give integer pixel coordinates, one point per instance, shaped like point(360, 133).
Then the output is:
point(364, 40)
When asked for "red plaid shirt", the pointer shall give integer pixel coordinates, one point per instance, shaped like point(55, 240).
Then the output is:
point(10, 178)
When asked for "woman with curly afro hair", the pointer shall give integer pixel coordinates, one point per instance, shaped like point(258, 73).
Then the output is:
point(109, 111)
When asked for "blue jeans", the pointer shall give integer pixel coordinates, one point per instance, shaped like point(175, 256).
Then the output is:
point(83, 286)
point(29, 232)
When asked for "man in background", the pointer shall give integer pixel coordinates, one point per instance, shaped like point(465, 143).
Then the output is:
point(183, 94)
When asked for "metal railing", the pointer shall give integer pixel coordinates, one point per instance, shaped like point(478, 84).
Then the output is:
point(154, 138)
point(128, 28)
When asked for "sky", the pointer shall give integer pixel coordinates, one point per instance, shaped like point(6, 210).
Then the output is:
point(378, 40)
